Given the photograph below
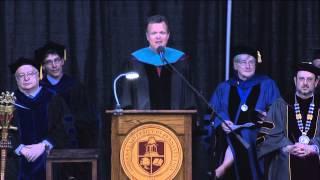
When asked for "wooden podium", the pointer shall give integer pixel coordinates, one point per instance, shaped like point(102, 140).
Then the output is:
point(178, 121)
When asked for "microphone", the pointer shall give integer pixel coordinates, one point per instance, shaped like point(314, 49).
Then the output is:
point(161, 51)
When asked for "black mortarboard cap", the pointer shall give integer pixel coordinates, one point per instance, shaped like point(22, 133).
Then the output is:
point(23, 61)
point(247, 50)
point(50, 48)
point(307, 66)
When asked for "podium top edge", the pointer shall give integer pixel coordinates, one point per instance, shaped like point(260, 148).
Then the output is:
point(135, 111)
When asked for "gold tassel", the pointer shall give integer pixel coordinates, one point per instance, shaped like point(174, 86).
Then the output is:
point(259, 57)
point(41, 74)
point(65, 54)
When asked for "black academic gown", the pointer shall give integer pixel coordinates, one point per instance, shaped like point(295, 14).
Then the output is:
point(285, 132)
point(79, 128)
point(80, 125)
point(34, 124)
point(158, 87)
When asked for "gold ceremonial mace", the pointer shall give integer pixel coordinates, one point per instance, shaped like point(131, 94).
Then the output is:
point(7, 101)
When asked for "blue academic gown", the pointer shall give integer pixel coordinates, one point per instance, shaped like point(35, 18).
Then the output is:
point(258, 93)
point(33, 128)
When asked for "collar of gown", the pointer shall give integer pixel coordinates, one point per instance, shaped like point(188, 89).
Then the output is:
point(147, 55)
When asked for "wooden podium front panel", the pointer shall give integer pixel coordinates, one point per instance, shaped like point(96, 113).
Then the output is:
point(128, 122)
point(178, 121)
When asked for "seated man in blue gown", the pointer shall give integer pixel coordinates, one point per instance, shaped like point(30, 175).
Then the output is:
point(38, 110)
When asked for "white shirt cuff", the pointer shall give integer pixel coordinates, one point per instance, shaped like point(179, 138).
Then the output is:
point(315, 147)
point(18, 149)
point(48, 145)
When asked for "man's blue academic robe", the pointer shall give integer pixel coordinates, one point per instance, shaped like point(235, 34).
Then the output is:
point(260, 92)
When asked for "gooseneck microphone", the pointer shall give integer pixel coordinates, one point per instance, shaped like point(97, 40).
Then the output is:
point(161, 52)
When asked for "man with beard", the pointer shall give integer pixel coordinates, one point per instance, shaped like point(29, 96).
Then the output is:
point(292, 144)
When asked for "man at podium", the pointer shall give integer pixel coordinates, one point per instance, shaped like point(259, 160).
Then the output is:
point(159, 87)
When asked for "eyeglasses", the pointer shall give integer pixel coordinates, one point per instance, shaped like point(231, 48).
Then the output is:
point(54, 61)
point(244, 63)
point(306, 79)
point(161, 33)
point(28, 75)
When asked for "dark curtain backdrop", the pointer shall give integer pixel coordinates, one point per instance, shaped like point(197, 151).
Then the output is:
point(100, 35)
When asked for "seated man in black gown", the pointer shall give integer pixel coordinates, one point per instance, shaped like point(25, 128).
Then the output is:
point(81, 126)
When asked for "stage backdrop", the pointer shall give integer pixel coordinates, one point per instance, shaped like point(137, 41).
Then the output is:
point(99, 36)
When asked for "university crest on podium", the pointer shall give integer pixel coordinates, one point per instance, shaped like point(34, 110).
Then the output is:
point(151, 152)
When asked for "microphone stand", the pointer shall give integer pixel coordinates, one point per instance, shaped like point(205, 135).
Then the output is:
point(239, 138)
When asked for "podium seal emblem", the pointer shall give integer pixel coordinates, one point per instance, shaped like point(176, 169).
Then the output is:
point(151, 151)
